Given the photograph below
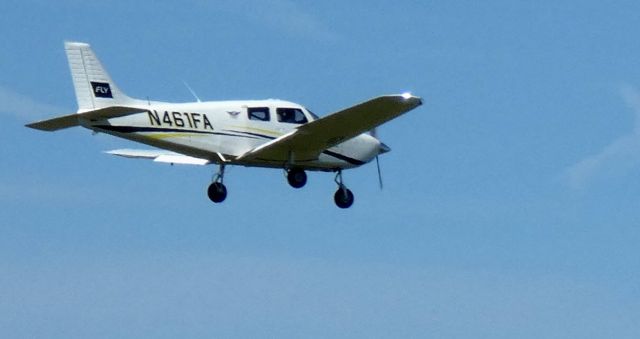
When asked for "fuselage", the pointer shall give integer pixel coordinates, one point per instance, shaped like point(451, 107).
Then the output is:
point(230, 129)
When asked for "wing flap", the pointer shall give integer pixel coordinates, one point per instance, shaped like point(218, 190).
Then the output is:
point(309, 140)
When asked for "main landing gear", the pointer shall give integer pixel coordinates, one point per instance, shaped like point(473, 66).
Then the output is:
point(343, 196)
point(217, 191)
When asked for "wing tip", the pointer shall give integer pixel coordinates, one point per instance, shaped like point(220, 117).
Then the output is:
point(410, 97)
point(34, 125)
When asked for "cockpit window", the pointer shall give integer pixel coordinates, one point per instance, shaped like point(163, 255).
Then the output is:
point(258, 113)
point(291, 115)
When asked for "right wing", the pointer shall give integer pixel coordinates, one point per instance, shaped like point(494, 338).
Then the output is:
point(71, 120)
point(309, 140)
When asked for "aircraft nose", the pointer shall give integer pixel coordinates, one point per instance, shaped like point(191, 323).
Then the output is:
point(383, 148)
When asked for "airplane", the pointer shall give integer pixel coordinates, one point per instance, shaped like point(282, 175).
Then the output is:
point(253, 133)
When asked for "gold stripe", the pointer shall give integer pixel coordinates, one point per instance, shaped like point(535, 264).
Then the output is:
point(265, 131)
point(173, 135)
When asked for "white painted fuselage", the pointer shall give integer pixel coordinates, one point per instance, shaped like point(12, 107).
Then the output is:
point(226, 128)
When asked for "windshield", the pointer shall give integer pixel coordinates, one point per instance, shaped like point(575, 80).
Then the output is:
point(291, 115)
point(313, 115)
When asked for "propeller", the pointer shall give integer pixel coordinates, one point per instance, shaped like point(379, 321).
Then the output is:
point(374, 132)
point(379, 173)
point(383, 149)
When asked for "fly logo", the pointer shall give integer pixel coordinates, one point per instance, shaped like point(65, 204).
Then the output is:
point(101, 90)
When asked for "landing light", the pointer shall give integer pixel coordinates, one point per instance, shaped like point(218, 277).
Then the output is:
point(406, 95)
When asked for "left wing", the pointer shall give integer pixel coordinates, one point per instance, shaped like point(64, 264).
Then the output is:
point(159, 156)
point(309, 140)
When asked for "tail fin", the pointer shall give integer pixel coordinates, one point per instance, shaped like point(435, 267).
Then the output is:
point(93, 85)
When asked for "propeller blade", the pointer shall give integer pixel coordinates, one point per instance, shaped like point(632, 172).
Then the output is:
point(374, 132)
point(379, 172)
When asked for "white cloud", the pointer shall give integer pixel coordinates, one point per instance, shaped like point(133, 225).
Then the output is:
point(618, 158)
point(22, 106)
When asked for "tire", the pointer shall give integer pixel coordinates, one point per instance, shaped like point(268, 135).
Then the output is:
point(217, 192)
point(297, 178)
point(343, 200)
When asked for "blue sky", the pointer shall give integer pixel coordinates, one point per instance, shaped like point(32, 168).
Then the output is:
point(511, 200)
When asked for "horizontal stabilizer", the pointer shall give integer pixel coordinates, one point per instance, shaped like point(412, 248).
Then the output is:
point(72, 120)
point(57, 123)
point(159, 156)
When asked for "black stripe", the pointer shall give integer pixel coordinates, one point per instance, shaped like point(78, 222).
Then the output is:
point(345, 158)
point(133, 129)
point(253, 134)
point(333, 154)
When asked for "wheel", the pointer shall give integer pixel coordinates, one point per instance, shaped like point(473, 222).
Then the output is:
point(217, 192)
point(343, 200)
point(296, 177)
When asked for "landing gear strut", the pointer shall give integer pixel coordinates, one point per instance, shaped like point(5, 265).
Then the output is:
point(217, 191)
point(296, 177)
point(343, 196)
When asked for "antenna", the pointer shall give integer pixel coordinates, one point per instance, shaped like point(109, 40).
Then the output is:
point(191, 90)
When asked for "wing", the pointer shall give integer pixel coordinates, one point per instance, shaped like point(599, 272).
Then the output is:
point(309, 140)
point(72, 120)
point(159, 156)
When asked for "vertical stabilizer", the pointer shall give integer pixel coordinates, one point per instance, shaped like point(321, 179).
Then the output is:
point(94, 87)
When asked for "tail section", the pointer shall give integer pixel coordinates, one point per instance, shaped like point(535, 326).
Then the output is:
point(94, 87)
point(98, 96)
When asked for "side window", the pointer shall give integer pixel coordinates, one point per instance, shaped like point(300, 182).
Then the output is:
point(291, 115)
point(258, 113)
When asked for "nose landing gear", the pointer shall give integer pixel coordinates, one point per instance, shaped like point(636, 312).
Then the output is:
point(297, 177)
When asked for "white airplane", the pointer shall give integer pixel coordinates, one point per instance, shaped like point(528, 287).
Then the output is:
point(255, 133)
